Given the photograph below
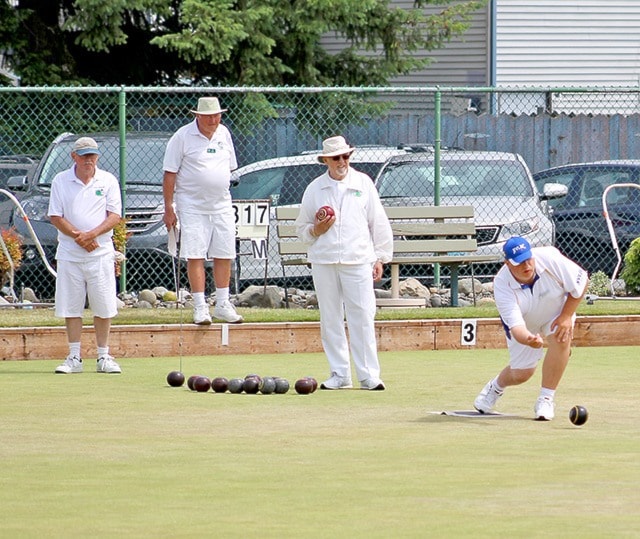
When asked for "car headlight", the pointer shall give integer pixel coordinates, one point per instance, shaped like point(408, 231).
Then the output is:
point(519, 228)
point(36, 209)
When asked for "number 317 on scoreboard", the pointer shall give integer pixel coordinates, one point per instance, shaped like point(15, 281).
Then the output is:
point(251, 218)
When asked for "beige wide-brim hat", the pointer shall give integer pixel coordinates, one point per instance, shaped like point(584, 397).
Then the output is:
point(334, 146)
point(208, 105)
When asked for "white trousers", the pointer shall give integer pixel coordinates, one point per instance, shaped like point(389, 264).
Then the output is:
point(347, 289)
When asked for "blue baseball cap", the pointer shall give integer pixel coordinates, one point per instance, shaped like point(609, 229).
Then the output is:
point(517, 250)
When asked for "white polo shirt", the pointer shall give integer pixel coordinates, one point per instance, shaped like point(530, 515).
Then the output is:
point(361, 234)
point(85, 207)
point(538, 305)
point(203, 167)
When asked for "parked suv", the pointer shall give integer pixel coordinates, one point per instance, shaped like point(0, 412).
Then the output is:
point(498, 185)
point(282, 182)
point(581, 229)
point(148, 263)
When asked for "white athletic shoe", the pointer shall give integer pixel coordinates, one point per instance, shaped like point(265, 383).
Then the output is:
point(487, 398)
point(372, 384)
point(201, 315)
point(73, 364)
point(336, 382)
point(545, 409)
point(106, 364)
point(227, 312)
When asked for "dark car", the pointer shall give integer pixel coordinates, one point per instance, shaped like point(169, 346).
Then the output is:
point(13, 174)
point(581, 228)
point(148, 263)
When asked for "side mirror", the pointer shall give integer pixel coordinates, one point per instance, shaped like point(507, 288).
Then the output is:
point(552, 191)
point(17, 183)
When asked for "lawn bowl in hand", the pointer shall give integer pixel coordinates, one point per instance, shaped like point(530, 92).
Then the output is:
point(324, 212)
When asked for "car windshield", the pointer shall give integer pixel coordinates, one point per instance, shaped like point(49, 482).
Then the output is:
point(143, 159)
point(285, 184)
point(458, 178)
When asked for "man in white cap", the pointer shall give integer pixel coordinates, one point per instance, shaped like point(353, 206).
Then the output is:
point(197, 167)
point(537, 292)
point(85, 205)
point(347, 248)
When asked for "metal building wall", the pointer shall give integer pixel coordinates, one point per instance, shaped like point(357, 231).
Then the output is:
point(567, 42)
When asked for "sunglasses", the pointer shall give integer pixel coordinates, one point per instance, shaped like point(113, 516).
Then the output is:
point(345, 156)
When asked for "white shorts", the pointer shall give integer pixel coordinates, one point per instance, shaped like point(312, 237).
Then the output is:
point(207, 236)
point(522, 356)
point(94, 278)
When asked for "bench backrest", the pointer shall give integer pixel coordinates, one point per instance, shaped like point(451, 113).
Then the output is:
point(416, 229)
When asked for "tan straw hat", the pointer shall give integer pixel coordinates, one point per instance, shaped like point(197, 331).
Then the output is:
point(208, 105)
point(334, 146)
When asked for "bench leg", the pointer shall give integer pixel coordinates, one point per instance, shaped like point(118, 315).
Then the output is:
point(284, 282)
point(395, 281)
point(454, 286)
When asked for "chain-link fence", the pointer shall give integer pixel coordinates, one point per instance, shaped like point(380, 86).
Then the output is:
point(424, 146)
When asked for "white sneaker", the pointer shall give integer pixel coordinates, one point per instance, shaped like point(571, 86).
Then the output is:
point(72, 364)
point(227, 312)
point(201, 315)
point(487, 398)
point(545, 409)
point(372, 384)
point(336, 382)
point(107, 364)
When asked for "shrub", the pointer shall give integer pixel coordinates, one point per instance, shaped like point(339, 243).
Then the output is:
point(631, 272)
point(600, 284)
point(14, 247)
point(120, 237)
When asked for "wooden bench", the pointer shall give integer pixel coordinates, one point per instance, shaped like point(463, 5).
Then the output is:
point(444, 235)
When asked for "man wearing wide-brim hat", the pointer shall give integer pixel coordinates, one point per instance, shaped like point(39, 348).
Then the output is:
point(348, 244)
point(197, 168)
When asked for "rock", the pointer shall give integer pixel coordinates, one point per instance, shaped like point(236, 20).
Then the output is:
point(268, 297)
point(142, 304)
point(413, 288)
point(468, 286)
point(147, 295)
point(29, 295)
point(311, 302)
point(159, 291)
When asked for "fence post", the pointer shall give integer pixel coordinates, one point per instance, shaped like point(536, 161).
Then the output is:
point(436, 167)
point(122, 128)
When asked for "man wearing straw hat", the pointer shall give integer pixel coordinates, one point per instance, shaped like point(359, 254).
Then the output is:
point(348, 245)
point(197, 168)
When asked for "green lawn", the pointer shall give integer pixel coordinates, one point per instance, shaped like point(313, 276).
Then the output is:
point(127, 456)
